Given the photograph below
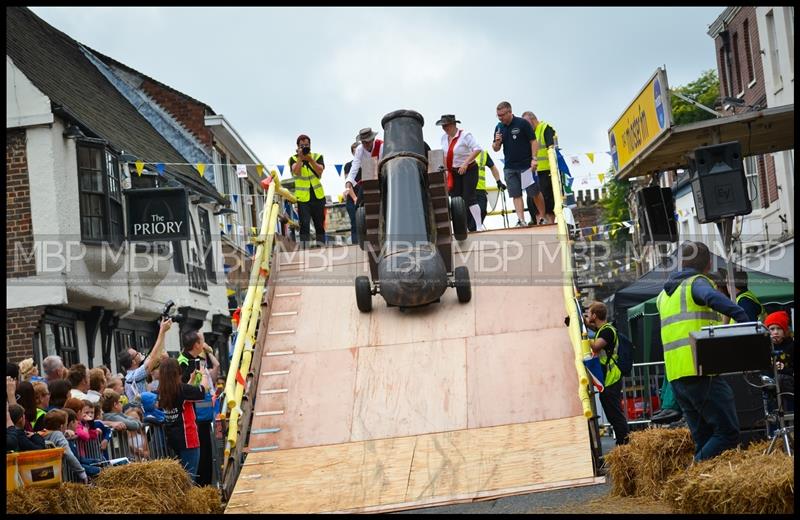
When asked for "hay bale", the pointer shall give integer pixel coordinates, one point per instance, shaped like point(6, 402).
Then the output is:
point(136, 501)
point(203, 500)
point(735, 482)
point(619, 463)
point(659, 453)
point(165, 477)
point(641, 467)
point(67, 498)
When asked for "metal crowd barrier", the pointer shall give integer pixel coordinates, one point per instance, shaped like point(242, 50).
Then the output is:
point(641, 396)
point(148, 444)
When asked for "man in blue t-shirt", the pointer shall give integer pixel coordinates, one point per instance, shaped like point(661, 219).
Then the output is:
point(518, 140)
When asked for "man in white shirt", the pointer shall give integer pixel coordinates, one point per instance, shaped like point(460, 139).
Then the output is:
point(460, 149)
point(368, 147)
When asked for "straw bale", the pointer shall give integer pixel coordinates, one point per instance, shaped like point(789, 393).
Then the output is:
point(68, 498)
point(204, 500)
point(135, 500)
point(640, 467)
point(620, 466)
point(735, 482)
point(164, 477)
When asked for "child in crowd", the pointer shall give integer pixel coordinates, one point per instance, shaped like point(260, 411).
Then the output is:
point(112, 410)
point(151, 411)
point(116, 385)
point(105, 430)
point(87, 463)
point(42, 396)
point(55, 423)
point(15, 431)
point(136, 438)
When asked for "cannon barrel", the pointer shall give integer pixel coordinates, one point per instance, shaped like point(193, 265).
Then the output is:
point(410, 270)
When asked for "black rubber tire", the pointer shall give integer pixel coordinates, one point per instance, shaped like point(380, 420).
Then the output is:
point(463, 287)
point(361, 226)
point(458, 212)
point(363, 294)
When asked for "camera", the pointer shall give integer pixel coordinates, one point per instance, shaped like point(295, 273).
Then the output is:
point(306, 150)
point(176, 318)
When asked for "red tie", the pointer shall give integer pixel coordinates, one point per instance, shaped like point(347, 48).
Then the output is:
point(450, 181)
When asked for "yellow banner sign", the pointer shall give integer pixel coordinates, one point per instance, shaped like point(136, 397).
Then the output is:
point(643, 121)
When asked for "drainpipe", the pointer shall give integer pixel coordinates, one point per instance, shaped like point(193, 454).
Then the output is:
point(131, 305)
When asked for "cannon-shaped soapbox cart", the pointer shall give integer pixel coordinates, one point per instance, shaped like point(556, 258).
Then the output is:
point(404, 224)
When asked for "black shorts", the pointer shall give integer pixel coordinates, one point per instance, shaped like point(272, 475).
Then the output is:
point(547, 190)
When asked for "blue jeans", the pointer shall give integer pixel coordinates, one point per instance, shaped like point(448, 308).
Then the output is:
point(710, 411)
point(351, 211)
point(190, 459)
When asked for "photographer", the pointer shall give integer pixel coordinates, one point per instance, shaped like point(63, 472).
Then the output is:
point(137, 366)
point(197, 358)
point(307, 167)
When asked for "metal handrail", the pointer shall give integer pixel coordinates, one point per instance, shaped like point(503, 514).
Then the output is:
point(580, 345)
point(250, 315)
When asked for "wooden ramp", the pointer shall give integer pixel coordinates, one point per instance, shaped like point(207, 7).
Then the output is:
point(394, 410)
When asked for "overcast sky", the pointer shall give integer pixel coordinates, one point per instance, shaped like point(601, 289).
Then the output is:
point(277, 72)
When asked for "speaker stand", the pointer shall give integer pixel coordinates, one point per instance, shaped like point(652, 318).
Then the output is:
point(725, 228)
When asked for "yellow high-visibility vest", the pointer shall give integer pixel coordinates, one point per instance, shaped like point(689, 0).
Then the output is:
point(481, 160)
point(542, 159)
point(680, 315)
point(613, 373)
point(306, 181)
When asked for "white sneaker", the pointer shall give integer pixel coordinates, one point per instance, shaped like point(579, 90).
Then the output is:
point(543, 221)
point(521, 224)
point(482, 228)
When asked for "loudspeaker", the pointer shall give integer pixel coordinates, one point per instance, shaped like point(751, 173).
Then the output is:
point(719, 184)
point(657, 206)
point(749, 403)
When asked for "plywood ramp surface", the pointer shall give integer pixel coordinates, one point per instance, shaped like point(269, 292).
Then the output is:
point(416, 471)
point(399, 409)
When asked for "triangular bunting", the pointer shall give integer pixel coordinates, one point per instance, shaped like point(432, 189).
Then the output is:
point(235, 199)
point(160, 168)
point(339, 169)
point(260, 169)
point(201, 168)
point(590, 155)
point(241, 170)
point(280, 168)
point(139, 168)
point(601, 176)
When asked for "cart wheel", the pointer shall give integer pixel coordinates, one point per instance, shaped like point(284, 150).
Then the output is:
point(463, 287)
point(363, 294)
point(458, 212)
point(361, 226)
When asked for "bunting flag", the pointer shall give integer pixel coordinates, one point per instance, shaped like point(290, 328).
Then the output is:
point(160, 168)
point(260, 169)
point(574, 160)
point(201, 168)
point(235, 199)
point(230, 292)
point(230, 227)
point(339, 169)
point(601, 176)
point(590, 155)
point(139, 168)
point(562, 167)
point(241, 170)
point(280, 168)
